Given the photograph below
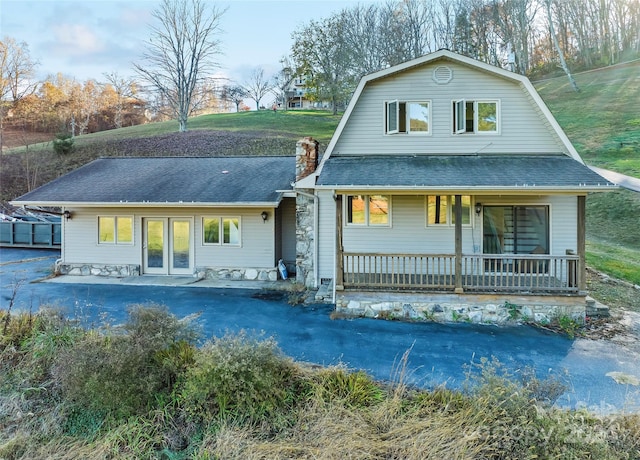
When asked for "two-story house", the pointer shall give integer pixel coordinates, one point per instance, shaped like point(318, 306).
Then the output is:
point(448, 175)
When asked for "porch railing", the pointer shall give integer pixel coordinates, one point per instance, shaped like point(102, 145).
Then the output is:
point(402, 271)
point(523, 273)
point(541, 273)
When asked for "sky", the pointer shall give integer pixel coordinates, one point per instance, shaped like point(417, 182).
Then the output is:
point(87, 38)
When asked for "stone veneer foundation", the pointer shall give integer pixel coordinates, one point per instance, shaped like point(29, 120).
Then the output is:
point(123, 271)
point(115, 271)
point(238, 274)
point(480, 309)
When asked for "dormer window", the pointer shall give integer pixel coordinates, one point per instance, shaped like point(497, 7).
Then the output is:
point(479, 117)
point(407, 117)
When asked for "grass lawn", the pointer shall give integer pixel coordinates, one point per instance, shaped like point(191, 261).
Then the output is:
point(603, 119)
point(318, 124)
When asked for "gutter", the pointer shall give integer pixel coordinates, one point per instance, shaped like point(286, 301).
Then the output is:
point(146, 204)
point(524, 189)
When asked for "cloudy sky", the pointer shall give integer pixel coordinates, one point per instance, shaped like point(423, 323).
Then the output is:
point(86, 38)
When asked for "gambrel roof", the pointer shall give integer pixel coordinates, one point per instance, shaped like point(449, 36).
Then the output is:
point(170, 181)
point(394, 164)
point(448, 56)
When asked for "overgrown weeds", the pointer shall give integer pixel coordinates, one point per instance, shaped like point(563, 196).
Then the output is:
point(144, 390)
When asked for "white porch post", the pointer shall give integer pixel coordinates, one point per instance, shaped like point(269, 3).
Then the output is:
point(582, 266)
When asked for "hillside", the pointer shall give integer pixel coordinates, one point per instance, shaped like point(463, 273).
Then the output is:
point(603, 123)
point(603, 119)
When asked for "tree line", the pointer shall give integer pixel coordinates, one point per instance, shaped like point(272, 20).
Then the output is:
point(530, 37)
point(175, 72)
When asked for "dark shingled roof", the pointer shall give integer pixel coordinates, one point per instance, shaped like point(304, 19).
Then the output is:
point(225, 180)
point(459, 171)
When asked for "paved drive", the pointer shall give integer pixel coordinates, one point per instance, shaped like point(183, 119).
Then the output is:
point(439, 352)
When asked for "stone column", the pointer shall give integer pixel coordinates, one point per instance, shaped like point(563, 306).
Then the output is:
point(305, 239)
point(306, 164)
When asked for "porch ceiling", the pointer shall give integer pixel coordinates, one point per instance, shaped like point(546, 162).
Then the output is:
point(461, 172)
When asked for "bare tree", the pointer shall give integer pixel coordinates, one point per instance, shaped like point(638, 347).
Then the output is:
point(257, 86)
point(365, 38)
point(181, 53)
point(234, 94)
point(17, 70)
point(552, 31)
point(125, 90)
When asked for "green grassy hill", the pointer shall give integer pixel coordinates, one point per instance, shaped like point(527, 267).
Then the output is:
point(603, 123)
point(603, 119)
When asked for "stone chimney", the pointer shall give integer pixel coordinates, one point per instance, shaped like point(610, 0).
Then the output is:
point(306, 157)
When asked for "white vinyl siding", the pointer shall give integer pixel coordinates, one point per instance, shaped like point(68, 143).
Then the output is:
point(523, 128)
point(326, 234)
point(408, 234)
point(257, 249)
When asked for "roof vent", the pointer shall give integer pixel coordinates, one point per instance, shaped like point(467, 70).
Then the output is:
point(442, 75)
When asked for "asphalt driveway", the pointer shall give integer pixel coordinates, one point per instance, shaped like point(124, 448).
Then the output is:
point(439, 353)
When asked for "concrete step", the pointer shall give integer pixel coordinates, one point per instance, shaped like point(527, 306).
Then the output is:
point(596, 309)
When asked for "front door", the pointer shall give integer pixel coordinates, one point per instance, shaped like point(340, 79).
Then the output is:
point(168, 246)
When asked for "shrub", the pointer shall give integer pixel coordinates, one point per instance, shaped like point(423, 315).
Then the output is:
point(353, 389)
point(241, 377)
point(63, 143)
point(127, 372)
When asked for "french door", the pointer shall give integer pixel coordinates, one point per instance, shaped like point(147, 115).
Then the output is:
point(168, 246)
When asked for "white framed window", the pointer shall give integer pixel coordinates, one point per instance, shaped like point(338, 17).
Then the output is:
point(368, 210)
point(115, 230)
point(476, 116)
point(440, 210)
point(221, 231)
point(407, 117)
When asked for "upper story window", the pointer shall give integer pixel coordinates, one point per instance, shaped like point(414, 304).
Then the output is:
point(372, 210)
point(407, 117)
point(440, 210)
point(480, 116)
point(115, 230)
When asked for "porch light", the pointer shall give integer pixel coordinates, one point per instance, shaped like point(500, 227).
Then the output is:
point(264, 215)
point(67, 215)
point(478, 208)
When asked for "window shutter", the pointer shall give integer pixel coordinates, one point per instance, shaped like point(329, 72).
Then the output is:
point(459, 116)
point(393, 116)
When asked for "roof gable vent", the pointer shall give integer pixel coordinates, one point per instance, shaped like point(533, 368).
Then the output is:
point(442, 75)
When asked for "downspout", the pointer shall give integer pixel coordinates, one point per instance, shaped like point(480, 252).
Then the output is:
point(315, 235)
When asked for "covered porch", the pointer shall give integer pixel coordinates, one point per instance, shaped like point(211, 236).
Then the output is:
point(481, 272)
